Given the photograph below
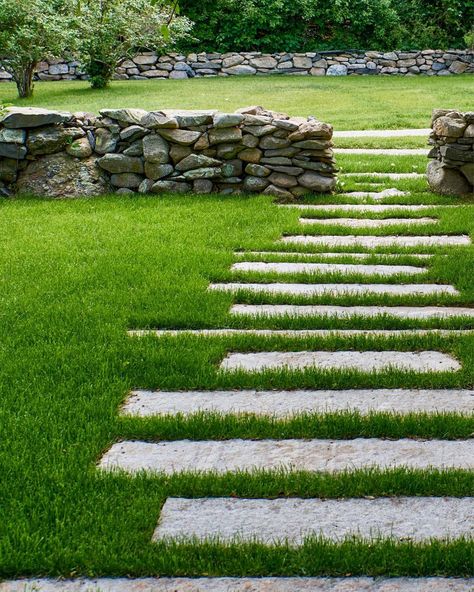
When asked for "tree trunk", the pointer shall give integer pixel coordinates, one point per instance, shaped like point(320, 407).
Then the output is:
point(24, 80)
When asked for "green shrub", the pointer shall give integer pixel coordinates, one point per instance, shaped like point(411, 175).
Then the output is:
point(306, 25)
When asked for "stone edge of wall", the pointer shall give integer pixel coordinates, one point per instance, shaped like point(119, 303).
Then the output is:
point(149, 65)
point(57, 154)
point(451, 168)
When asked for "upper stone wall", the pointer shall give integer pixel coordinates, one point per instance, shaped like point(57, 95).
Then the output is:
point(252, 150)
point(149, 65)
point(451, 170)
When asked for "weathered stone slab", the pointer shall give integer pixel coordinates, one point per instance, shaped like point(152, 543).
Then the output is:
point(297, 333)
point(27, 117)
point(382, 133)
point(362, 361)
point(392, 176)
point(291, 403)
point(385, 270)
point(368, 222)
point(379, 241)
point(223, 456)
point(384, 151)
point(331, 311)
point(375, 208)
point(337, 289)
point(336, 255)
point(281, 584)
point(391, 192)
point(293, 520)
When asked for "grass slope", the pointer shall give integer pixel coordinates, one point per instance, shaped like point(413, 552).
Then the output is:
point(355, 102)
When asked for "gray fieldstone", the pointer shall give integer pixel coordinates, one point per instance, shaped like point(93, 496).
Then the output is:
point(202, 186)
point(252, 155)
point(133, 132)
point(203, 173)
point(135, 149)
point(51, 139)
point(171, 187)
point(105, 141)
point(315, 182)
point(125, 116)
point(156, 149)
point(13, 151)
point(13, 136)
point(157, 171)
point(240, 70)
point(223, 120)
point(225, 135)
point(257, 170)
point(447, 181)
point(28, 117)
point(180, 136)
point(196, 161)
point(79, 148)
point(119, 163)
point(255, 184)
point(337, 70)
point(126, 180)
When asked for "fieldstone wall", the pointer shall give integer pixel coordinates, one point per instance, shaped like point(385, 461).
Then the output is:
point(451, 170)
point(148, 65)
point(130, 150)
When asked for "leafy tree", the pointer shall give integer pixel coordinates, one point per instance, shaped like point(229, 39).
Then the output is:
point(111, 30)
point(32, 31)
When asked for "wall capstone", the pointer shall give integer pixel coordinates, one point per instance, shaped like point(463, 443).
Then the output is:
point(130, 150)
point(451, 170)
point(149, 65)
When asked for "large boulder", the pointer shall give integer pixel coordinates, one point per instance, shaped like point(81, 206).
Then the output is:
point(446, 181)
point(60, 175)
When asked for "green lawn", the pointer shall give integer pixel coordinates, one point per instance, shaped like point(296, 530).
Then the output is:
point(356, 102)
point(76, 274)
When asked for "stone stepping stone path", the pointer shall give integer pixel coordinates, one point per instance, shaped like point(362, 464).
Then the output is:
point(271, 584)
point(361, 361)
point(399, 312)
point(347, 268)
point(378, 241)
point(367, 222)
point(293, 520)
point(293, 403)
point(225, 456)
point(342, 289)
point(336, 255)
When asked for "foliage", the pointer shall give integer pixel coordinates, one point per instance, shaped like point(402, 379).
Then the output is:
point(111, 30)
point(29, 33)
point(297, 25)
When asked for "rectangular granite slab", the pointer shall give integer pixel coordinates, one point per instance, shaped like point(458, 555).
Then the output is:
point(346, 268)
point(293, 520)
point(378, 241)
point(223, 456)
point(283, 404)
point(367, 222)
point(362, 361)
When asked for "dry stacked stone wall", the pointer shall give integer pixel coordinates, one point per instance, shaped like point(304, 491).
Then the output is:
point(451, 170)
point(130, 150)
point(149, 65)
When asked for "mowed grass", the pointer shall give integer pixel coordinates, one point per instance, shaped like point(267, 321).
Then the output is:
point(355, 102)
point(76, 274)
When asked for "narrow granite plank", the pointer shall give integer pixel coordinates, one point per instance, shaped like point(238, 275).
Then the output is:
point(223, 456)
point(400, 312)
point(336, 255)
point(337, 289)
point(282, 584)
point(362, 361)
point(378, 241)
point(383, 151)
point(375, 208)
point(391, 176)
point(390, 133)
point(293, 520)
point(348, 268)
point(297, 333)
point(367, 222)
point(289, 403)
